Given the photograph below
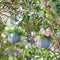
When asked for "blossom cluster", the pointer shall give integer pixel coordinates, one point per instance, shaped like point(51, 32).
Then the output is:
point(44, 33)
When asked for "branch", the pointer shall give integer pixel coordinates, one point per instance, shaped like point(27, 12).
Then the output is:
point(9, 4)
point(52, 24)
point(5, 15)
point(44, 3)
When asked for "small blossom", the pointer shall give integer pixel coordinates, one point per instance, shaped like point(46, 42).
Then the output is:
point(42, 29)
point(52, 34)
point(3, 35)
point(36, 44)
point(12, 28)
point(22, 39)
point(4, 41)
point(33, 33)
point(43, 32)
point(40, 40)
point(54, 44)
point(12, 35)
point(38, 37)
point(6, 28)
point(47, 34)
point(54, 41)
point(34, 39)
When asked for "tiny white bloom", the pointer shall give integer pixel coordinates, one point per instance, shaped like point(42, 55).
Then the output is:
point(3, 35)
point(4, 41)
point(6, 28)
point(12, 28)
point(12, 35)
point(19, 27)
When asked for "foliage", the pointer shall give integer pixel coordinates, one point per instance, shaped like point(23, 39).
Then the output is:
point(29, 18)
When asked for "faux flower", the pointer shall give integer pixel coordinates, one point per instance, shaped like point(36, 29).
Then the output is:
point(47, 34)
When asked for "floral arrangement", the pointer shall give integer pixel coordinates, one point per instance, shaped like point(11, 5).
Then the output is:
point(14, 30)
point(44, 34)
point(41, 34)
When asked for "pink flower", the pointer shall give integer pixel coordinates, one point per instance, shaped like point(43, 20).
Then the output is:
point(43, 32)
point(34, 33)
point(36, 44)
point(22, 39)
point(52, 34)
point(47, 34)
point(38, 37)
point(34, 39)
point(54, 44)
point(40, 40)
point(54, 41)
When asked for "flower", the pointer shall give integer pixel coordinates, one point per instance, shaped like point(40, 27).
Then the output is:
point(12, 35)
point(47, 34)
point(3, 35)
point(42, 29)
point(34, 39)
point(36, 44)
point(52, 34)
point(43, 32)
point(40, 40)
point(22, 39)
point(12, 28)
point(6, 28)
point(33, 33)
point(53, 42)
point(38, 37)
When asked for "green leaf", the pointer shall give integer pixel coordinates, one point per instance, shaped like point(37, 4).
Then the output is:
point(47, 15)
point(54, 56)
point(53, 15)
point(41, 13)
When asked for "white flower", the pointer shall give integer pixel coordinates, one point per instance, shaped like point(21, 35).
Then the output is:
point(12, 28)
point(3, 35)
point(19, 27)
point(4, 41)
point(12, 35)
point(6, 28)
